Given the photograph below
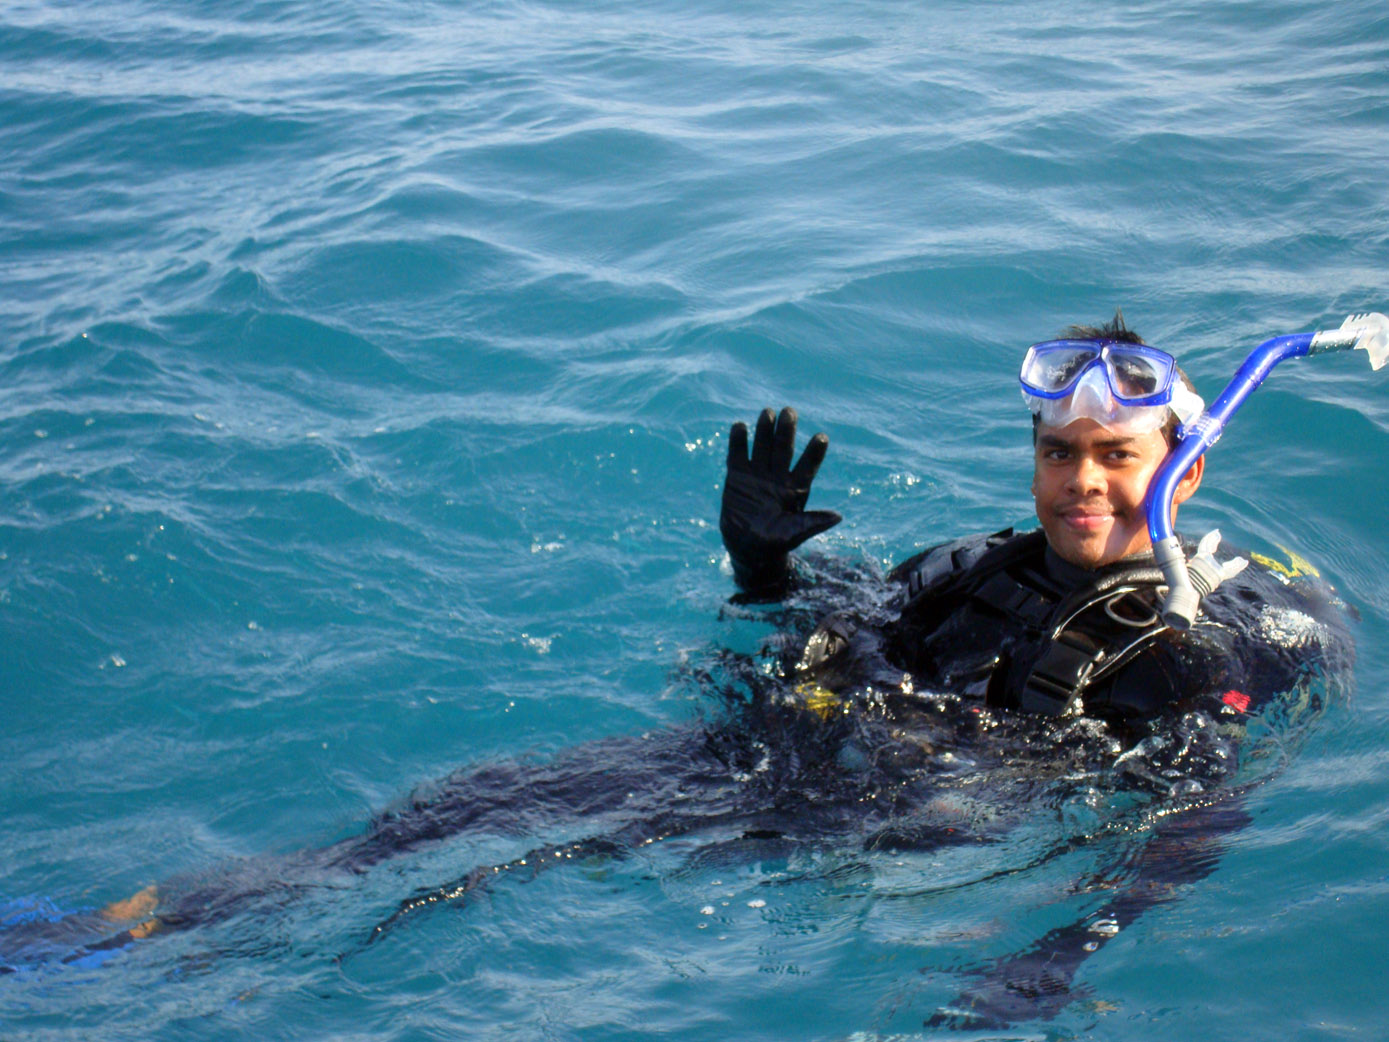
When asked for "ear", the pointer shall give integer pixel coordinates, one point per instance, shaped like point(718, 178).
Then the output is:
point(1190, 482)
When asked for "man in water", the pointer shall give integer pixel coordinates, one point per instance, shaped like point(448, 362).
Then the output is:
point(1061, 624)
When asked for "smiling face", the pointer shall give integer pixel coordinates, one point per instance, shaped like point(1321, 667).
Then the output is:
point(1089, 484)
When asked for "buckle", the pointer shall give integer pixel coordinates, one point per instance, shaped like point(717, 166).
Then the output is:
point(1059, 675)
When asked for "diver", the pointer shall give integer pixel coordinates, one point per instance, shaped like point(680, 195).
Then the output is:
point(1066, 623)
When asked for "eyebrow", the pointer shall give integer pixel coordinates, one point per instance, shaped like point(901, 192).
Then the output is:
point(1053, 441)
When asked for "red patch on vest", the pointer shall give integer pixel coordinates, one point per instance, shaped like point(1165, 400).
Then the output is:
point(1236, 700)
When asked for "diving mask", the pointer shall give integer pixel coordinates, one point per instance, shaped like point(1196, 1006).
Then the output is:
point(1122, 386)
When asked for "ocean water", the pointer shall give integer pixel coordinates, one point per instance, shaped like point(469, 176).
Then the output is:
point(365, 378)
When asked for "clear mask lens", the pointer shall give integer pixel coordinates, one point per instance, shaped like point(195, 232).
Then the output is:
point(1135, 376)
point(1056, 369)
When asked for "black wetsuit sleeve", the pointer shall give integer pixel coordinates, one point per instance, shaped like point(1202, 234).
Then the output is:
point(1037, 983)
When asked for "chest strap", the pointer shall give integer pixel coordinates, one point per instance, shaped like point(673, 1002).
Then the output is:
point(1091, 639)
point(1025, 599)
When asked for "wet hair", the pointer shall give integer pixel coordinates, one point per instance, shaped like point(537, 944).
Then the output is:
point(1116, 330)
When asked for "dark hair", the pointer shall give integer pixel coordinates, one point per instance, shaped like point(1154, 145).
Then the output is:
point(1116, 330)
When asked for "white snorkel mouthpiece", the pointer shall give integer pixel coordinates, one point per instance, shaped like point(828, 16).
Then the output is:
point(1373, 336)
point(1368, 332)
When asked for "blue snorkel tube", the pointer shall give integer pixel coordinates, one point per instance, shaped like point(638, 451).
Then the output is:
point(1187, 582)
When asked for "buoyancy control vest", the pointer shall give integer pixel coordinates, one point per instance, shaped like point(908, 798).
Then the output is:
point(990, 615)
point(1000, 619)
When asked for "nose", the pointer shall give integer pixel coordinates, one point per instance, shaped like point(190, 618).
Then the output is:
point(1087, 476)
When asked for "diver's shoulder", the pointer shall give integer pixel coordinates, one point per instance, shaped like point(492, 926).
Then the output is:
point(935, 563)
point(1278, 596)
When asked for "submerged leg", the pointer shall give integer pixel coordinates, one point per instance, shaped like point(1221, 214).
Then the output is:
point(625, 777)
point(630, 775)
point(617, 845)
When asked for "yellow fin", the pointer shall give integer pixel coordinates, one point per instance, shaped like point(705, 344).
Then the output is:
point(136, 906)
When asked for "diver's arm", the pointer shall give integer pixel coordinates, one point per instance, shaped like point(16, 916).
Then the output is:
point(1036, 984)
point(763, 516)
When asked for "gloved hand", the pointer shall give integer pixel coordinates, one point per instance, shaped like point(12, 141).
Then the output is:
point(764, 516)
point(1025, 988)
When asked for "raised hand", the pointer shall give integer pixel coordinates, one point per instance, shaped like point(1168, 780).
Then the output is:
point(763, 516)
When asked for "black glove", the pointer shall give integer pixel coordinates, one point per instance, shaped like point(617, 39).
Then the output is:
point(764, 516)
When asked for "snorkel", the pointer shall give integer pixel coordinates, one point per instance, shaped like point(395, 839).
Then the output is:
point(1187, 582)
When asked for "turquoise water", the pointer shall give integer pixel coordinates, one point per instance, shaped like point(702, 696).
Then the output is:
point(365, 373)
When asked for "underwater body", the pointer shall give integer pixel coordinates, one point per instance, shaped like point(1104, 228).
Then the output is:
point(367, 377)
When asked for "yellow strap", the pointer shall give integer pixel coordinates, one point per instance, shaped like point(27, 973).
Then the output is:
point(819, 699)
point(1296, 567)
